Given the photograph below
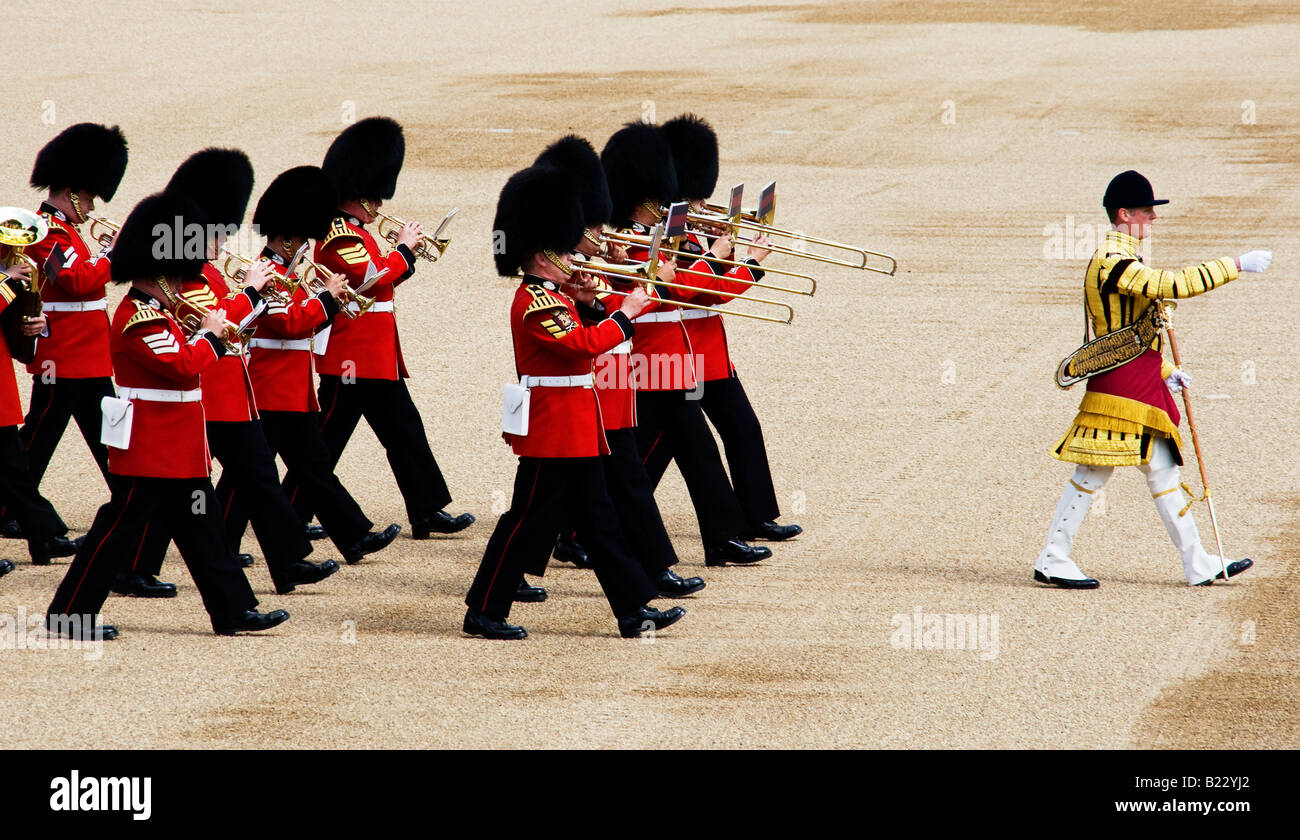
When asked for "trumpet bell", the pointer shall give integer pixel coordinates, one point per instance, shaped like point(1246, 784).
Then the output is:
point(20, 227)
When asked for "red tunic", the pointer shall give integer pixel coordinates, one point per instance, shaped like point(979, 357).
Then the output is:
point(284, 378)
point(168, 439)
point(11, 407)
point(706, 331)
point(77, 346)
point(663, 360)
point(227, 389)
point(551, 340)
point(366, 347)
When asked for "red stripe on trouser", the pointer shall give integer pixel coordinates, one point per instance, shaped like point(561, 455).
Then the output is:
point(139, 549)
point(113, 528)
point(651, 450)
point(505, 549)
point(37, 427)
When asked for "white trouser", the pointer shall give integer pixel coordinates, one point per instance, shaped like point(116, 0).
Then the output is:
point(1163, 481)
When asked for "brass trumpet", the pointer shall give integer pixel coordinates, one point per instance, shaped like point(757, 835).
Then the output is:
point(236, 268)
point(430, 247)
point(314, 277)
point(191, 320)
point(102, 230)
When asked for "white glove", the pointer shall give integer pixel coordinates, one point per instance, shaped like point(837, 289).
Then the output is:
point(1177, 380)
point(1255, 260)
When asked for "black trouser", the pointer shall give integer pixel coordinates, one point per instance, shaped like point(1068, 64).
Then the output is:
point(634, 501)
point(52, 405)
point(728, 407)
point(671, 425)
point(248, 470)
point(549, 492)
point(387, 406)
point(186, 507)
point(19, 494)
point(295, 437)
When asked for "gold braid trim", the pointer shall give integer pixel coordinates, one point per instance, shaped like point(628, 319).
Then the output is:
point(1123, 408)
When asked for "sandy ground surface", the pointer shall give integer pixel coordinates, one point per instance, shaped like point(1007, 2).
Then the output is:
point(908, 419)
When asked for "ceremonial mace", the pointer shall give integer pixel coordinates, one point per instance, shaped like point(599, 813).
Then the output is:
point(1196, 442)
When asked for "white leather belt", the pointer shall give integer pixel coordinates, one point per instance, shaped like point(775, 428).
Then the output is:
point(159, 395)
point(584, 381)
point(658, 317)
point(377, 306)
point(622, 349)
point(75, 305)
point(281, 343)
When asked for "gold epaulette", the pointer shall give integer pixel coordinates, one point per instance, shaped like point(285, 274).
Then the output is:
point(339, 228)
point(543, 299)
point(144, 313)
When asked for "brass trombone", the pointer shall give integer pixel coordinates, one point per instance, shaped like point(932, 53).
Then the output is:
point(620, 238)
point(236, 268)
point(645, 273)
point(102, 230)
point(430, 247)
point(734, 219)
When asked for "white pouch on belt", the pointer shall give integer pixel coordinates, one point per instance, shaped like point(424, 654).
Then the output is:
point(514, 409)
point(321, 340)
point(115, 431)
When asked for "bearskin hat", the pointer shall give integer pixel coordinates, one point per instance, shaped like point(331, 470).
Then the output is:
point(300, 202)
point(364, 160)
point(695, 156)
point(163, 235)
point(219, 181)
point(85, 156)
point(576, 156)
point(540, 209)
point(638, 166)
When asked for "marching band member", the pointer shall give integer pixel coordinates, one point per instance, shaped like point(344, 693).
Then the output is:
point(625, 476)
point(299, 205)
point(361, 371)
point(18, 491)
point(695, 157)
point(161, 472)
point(538, 223)
point(72, 371)
point(220, 181)
point(639, 169)
point(1128, 416)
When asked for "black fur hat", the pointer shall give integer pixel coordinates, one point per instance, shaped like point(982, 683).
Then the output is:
point(695, 156)
point(575, 155)
point(219, 181)
point(364, 160)
point(166, 223)
point(85, 156)
point(638, 166)
point(300, 202)
point(540, 209)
